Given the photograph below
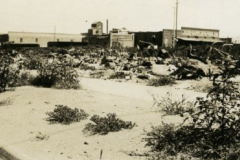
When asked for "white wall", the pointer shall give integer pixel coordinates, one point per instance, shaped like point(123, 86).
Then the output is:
point(200, 32)
point(42, 38)
point(126, 40)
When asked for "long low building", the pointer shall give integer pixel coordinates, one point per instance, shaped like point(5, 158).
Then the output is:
point(189, 35)
point(41, 39)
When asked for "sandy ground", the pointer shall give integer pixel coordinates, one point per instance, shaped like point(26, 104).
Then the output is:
point(23, 120)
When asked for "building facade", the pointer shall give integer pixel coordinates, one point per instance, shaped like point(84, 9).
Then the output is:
point(121, 37)
point(151, 37)
point(199, 33)
point(96, 29)
point(169, 37)
point(189, 35)
point(41, 39)
point(117, 37)
point(102, 40)
point(199, 36)
point(95, 35)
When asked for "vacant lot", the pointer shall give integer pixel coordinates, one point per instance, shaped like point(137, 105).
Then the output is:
point(26, 134)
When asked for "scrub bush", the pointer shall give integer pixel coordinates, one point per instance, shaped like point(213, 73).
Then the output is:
point(20, 79)
point(65, 115)
point(8, 74)
point(104, 125)
point(205, 88)
point(213, 128)
point(162, 81)
point(169, 139)
point(173, 107)
point(33, 62)
point(60, 76)
point(33, 57)
point(25, 78)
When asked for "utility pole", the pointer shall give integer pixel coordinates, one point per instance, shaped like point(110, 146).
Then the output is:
point(176, 26)
point(107, 27)
point(54, 32)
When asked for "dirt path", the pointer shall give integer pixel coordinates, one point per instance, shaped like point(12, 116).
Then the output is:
point(24, 119)
point(137, 91)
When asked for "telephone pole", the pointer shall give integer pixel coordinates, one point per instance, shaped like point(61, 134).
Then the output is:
point(54, 34)
point(176, 26)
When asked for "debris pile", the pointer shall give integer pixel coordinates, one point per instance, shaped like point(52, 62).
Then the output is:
point(127, 63)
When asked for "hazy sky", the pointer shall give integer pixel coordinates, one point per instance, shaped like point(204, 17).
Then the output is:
point(76, 16)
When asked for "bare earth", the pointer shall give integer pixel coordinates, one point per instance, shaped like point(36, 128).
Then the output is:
point(23, 121)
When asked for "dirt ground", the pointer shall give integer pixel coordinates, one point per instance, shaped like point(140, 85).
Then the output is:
point(23, 121)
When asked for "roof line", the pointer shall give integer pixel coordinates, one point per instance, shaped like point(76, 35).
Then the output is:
point(199, 28)
point(96, 22)
point(43, 33)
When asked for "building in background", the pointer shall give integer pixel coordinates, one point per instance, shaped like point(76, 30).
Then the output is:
point(168, 37)
point(151, 37)
point(226, 40)
point(121, 37)
point(41, 39)
point(102, 40)
point(189, 35)
point(119, 31)
point(116, 37)
point(236, 40)
point(198, 36)
point(200, 33)
point(95, 35)
point(3, 38)
point(96, 29)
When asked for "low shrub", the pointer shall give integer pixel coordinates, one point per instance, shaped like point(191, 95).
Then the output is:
point(8, 74)
point(206, 88)
point(104, 125)
point(21, 79)
point(60, 76)
point(168, 140)
point(13, 77)
point(171, 139)
point(117, 75)
point(163, 156)
point(157, 138)
point(25, 79)
point(47, 75)
point(173, 107)
point(162, 81)
point(66, 85)
point(65, 115)
point(213, 128)
point(33, 62)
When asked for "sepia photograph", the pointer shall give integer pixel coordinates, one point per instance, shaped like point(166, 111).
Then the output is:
point(119, 80)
